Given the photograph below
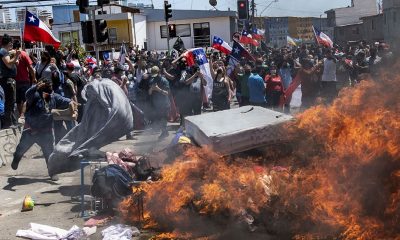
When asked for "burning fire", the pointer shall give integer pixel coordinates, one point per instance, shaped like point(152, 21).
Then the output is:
point(341, 181)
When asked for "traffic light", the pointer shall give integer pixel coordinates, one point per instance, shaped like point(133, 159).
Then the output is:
point(102, 2)
point(172, 30)
point(243, 9)
point(83, 4)
point(101, 31)
point(87, 32)
point(167, 11)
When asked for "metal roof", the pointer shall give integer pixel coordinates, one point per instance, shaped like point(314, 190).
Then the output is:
point(157, 15)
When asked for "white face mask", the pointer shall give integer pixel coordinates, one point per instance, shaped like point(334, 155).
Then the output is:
point(273, 72)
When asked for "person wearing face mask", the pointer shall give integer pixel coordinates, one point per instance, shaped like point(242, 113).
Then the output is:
point(40, 100)
point(221, 94)
point(46, 67)
point(274, 88)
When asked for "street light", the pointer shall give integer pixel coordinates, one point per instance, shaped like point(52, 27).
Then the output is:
point(269, 5)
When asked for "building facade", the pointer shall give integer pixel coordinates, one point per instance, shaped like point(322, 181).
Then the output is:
point(391, 21)
point(276, 31)
point(373, 28)
point(5, 16)
point(352, 14)
point(195, 27)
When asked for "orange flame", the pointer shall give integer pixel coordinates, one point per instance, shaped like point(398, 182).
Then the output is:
point(343, 181)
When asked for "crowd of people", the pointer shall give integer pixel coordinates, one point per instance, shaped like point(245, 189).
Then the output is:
point(165, 88)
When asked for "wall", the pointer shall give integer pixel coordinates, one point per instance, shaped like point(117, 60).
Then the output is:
point(64, 14)
point(219, 26)
point(140, 30)
point(343, 34)
point(277, 29)
point(391, 25)
point(373, 28)
point(124, 29)
point(352, 15)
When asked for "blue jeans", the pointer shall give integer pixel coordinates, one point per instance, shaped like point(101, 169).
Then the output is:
point(45, 140)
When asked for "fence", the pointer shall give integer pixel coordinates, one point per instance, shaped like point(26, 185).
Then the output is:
point(34, 50)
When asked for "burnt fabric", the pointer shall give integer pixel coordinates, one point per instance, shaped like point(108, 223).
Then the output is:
point(107, 117)
point(112, 182)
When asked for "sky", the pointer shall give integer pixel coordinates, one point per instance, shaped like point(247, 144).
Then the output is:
point(298, 8)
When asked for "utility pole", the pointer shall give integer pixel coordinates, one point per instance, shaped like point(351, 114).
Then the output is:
point(253, 9)
point(92, 17)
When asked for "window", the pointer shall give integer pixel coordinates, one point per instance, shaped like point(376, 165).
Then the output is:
point(394, 16)
point(356, 31)
point(112, 35)
point(372, 24)
point(68, 37)
point(384, 18)
point(182, 30)
point(65, 37)
point(77, 17)
point(201, 32)
point(341, 31)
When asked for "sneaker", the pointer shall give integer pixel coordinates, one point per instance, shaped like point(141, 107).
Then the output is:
point(54, 178)
point(14, 165)
point(163, 135)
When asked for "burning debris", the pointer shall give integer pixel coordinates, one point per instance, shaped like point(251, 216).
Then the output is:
point(342, 180)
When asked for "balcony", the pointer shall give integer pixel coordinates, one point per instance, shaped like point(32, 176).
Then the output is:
point(107, 47)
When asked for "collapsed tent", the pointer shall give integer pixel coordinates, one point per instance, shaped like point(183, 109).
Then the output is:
point(107, 117)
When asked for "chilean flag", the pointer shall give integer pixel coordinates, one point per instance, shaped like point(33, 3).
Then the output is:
point(221, 45)
point(247, 38)
point(199, 57)
point(257, 34)
point(36, 30)
point(322, 38)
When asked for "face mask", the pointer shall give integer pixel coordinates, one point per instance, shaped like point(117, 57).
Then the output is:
point(247, 72)
point(219, 71)
point(273, 72)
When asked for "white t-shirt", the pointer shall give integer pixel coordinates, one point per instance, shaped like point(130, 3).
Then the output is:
point(329, 74)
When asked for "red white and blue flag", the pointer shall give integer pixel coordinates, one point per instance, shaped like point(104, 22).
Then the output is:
point(247, 38)
point(37, 31)
point(257, 34)
point(322, 38)
point(198, 56)
point(221, 45)
point(238, 52)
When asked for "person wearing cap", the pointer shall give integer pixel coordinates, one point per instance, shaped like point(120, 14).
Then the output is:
point(159, 90)
point(40, 100)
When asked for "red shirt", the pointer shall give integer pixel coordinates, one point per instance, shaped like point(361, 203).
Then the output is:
point(22, 69)
point(274, 83)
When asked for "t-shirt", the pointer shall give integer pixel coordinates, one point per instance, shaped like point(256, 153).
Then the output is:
point(256, 89)
point(22, 69)
point(195, 86)
point(329, 74)
point(158, 99)
point(6, 72)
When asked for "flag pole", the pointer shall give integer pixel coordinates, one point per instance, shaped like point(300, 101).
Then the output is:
point(315, 35)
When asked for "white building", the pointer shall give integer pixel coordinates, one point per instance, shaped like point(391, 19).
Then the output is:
point(146, 28)
point(353, 13)
point(5, 16)
point(195, 27)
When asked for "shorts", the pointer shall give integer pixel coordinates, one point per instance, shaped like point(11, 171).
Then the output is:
point(21, 90)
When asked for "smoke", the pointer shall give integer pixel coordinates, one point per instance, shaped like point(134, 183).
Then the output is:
point(341, 179)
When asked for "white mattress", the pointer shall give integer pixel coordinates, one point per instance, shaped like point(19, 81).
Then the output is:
point(237, 130)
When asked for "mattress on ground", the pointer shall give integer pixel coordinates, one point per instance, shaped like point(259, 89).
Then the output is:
point(237, 130)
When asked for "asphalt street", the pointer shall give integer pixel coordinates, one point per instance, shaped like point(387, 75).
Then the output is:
point(56, 203)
